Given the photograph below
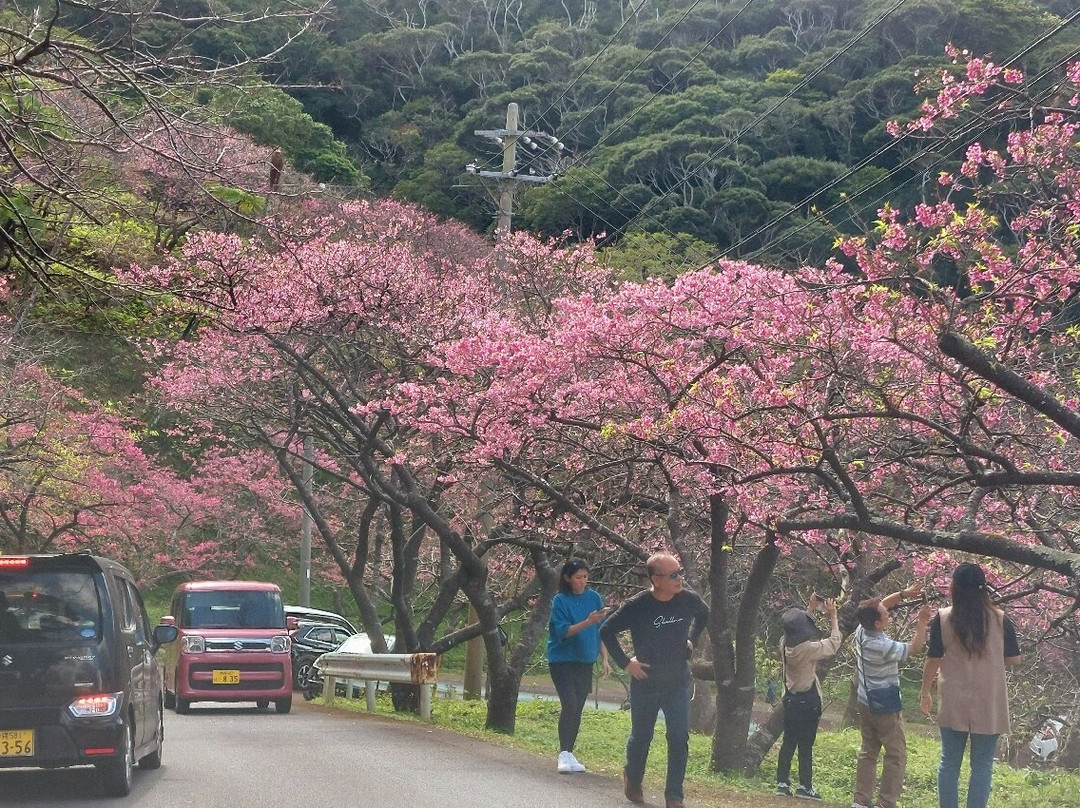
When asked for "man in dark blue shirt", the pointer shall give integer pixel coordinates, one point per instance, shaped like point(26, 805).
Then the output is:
point(664, 621)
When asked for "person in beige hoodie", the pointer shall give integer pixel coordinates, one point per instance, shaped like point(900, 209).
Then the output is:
point(971, 642)
point(800, 648)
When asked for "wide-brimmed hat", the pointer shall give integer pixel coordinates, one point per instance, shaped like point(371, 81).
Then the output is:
point(799, 627)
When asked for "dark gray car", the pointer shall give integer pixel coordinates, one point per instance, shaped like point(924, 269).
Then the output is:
point(311, 640)
point(79, 681)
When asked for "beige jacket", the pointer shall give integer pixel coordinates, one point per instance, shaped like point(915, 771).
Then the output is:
point(971, 689)
point(800, 661)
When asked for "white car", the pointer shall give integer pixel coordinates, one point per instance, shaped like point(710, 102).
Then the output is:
point(1045, 743)
point(361, 644)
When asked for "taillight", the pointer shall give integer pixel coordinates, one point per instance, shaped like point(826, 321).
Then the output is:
point(193, 644)
point(14, 562)
point(100, 704)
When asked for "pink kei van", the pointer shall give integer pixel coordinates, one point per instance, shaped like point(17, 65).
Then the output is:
point(233, 645)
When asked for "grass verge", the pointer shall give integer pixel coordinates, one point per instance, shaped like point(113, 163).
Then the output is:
point(601, 746)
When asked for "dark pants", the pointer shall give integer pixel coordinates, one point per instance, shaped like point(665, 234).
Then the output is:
point(800, 732)
point(647, 698)
point(573, 682)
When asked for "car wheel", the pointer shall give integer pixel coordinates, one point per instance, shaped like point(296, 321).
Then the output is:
point(116, 774)
point(153, 760)
point(183, 706)
point(283, 705)
point(302, 670)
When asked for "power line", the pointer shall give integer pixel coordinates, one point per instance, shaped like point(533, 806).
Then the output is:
point(787, 96)
point(923, 152)
point(607, 135)
point(596, 58)
point(625, 77)
point(962, 132)
point(641, 211)
point(583, 159)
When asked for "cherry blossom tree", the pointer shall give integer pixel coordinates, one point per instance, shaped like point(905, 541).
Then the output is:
point(515, 403)
point(879, 402)
point(311, 334)
point(73, 476)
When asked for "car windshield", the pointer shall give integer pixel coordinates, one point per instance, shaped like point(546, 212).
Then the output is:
point(232, 608)
point(45, 606)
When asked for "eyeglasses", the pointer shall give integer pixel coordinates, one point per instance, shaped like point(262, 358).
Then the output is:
point(674, 576)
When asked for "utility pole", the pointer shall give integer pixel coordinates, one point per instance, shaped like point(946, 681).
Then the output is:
point(509, 177)
point(305, 526)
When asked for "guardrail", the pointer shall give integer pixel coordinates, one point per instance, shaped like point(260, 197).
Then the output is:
point(415, 669)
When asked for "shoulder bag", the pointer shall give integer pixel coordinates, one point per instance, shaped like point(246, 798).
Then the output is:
point(880, 700)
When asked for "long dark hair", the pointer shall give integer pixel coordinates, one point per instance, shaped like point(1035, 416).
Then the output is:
point(971, 608)
point(569, 569)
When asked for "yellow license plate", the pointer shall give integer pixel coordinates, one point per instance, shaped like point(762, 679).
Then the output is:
point(226, 677)
point(16, 743)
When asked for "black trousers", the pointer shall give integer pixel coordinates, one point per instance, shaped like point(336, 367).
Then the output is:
point(573, 683)
point(800, 732)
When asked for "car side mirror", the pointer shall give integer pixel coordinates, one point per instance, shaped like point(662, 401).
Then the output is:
point(165, 633)
point(292, 623)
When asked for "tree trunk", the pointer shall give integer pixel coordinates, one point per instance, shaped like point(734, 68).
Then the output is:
point(767, 733)
point(504, 676)
point(504, 685)
point(734, 664)
point(473, 685)
point(1069, 756)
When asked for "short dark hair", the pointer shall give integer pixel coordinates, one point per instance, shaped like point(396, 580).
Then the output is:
point(569, 569)
point(868, 613)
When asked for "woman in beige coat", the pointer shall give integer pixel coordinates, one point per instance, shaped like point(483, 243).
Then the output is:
point(801, 647)
point(970, 644)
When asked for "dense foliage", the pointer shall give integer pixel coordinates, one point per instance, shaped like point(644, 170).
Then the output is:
point(728, 122)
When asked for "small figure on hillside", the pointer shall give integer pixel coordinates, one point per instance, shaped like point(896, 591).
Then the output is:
point(664, 621)
point(277, 166)
point(971, 642)
point(573, 645)
point(800, 649)
point(878, 659)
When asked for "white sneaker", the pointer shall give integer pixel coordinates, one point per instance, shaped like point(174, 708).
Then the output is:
point(566, 763)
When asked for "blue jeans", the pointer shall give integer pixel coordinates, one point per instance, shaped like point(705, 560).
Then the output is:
point(983, 748)
point(647, 698)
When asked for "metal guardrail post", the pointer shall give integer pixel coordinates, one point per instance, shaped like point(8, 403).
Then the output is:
point(418, 669)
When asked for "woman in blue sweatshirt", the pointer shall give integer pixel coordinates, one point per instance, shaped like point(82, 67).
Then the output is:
point(573, 645)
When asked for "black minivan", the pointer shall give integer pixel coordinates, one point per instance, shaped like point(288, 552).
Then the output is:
point(79, 682)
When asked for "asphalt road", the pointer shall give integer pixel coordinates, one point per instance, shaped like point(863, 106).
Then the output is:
point(238, 757)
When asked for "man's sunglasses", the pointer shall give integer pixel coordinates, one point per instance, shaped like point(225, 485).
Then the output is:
point(676, 575)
